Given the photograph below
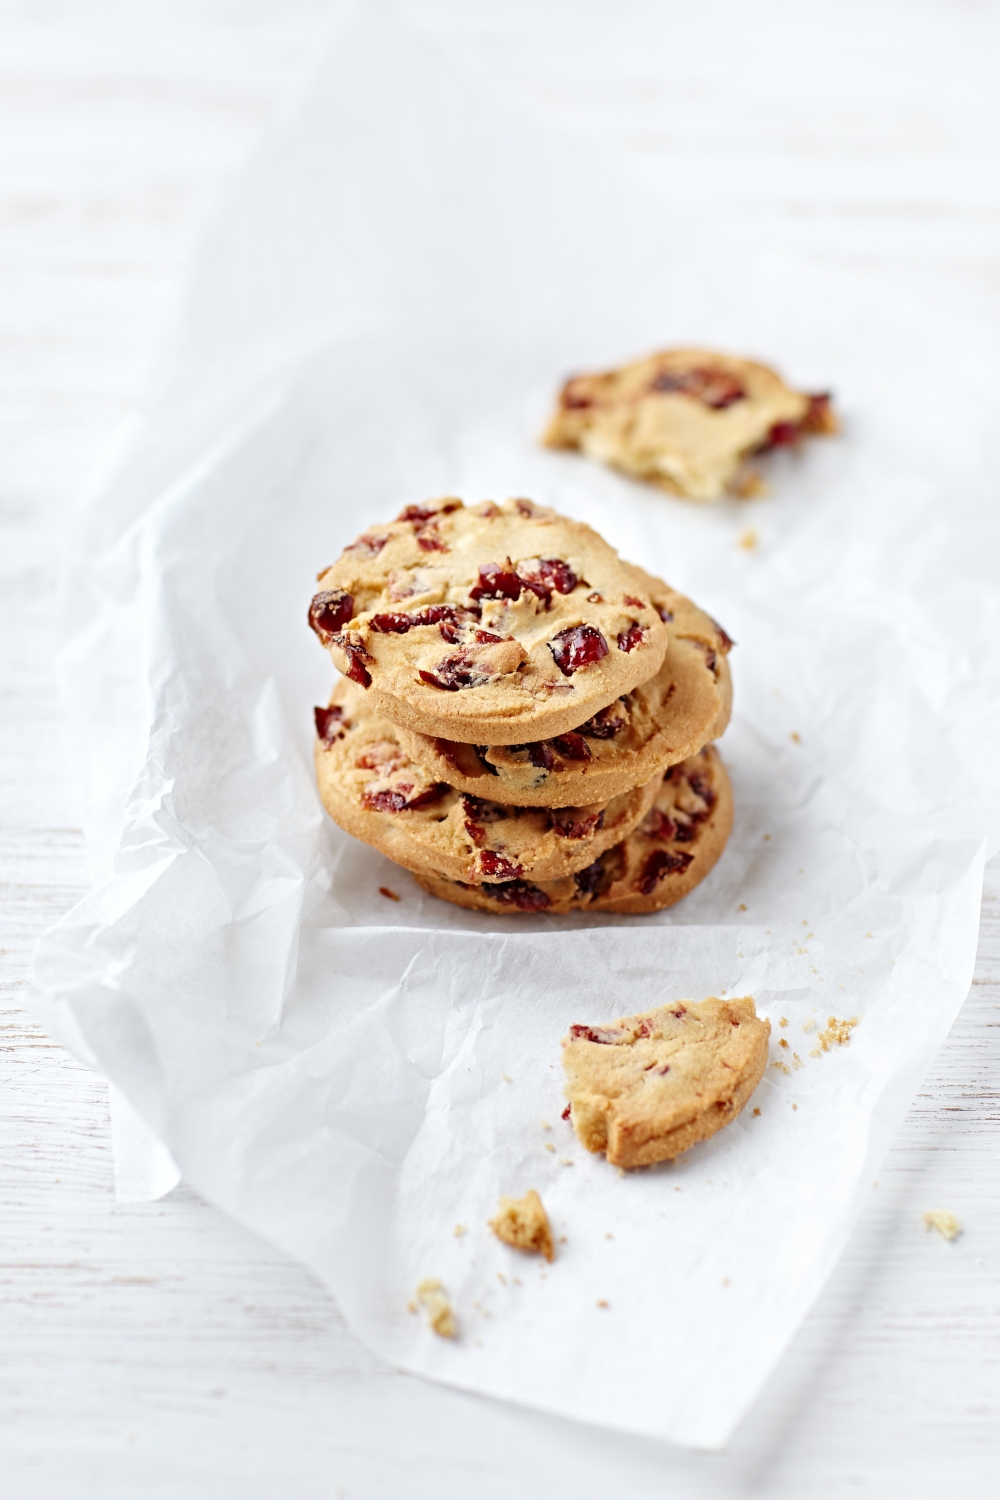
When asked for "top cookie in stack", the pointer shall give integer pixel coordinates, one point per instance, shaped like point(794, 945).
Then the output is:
point(516, 694)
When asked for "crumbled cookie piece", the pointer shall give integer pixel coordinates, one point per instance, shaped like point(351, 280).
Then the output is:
point(837, 1034)
point(686, 419)
point(944, 1222)
point(433, 1299)
point(523, 1223)
point(649, 1086)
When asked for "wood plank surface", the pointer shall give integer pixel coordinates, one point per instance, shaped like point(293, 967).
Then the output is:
point(160, 1350)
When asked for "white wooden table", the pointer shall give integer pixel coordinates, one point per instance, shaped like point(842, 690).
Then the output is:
point(159, 1350)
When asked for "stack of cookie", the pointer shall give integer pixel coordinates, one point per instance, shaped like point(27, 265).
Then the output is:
point(525, 720)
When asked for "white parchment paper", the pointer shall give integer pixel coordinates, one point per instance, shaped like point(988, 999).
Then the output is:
point(382, 313)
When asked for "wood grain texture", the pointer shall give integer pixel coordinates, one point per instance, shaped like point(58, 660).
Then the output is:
point(159, 1350)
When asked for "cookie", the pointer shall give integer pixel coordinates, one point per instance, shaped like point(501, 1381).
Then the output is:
point(491, 624)
point(669, 853)
point(658, 723)
point(523, 1223)
point(686, 419)
point(650, 1086)
point(374, 791)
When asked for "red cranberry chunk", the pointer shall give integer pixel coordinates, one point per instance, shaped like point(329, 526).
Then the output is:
point(577, 647)
point(572, 746)
point(605, 1037)
point(702, 788)
point(782, 435)
point(660, 863)
point(541, 754)
point(498, 866)
point(330, 723)
point(456, 672)
point(568, 825)
point(566, 1113)
point(388, 800)
point(658, 825)
point(356, 658)
point(519, 893)
point(552, 575)
point(632, 637)
point(525, 508)
point(634, 603)
point(372, 545)
point(421, 515)
point(429, 796)
point(708, 384)
point(429, 541)
point(726, 642)
point(398, 622)
point(606, 724)
point(588, 880)
point(329, 611)
point(666, 615)
point(574, 397)
point(497, 581)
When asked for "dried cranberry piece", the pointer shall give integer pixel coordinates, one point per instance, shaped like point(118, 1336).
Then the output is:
point(457, 672)
point(371, 544)
point(330, 723)
point(634, 603)
point(588, 880)
point(782, 435)
point(329, 611)
point(429, 541)
point(566, 1112)
point(572, 746)
point(569, 826)
point(525, 508)
point(421, 515)
point(666, 615)
point(552, 575)
point(398, 622)
point(497, 581)
point(498, 865)
point(519, 893)
point(708, 384)
point(632, 637)
point(711, 660)
point(577, 647)
point(606, 724)
point(573, 398)
point(702, 788)
point(605, 1037)
point(660, 863)
point(726, 642)
point(387, 800)
point(540, 753)
point(356, 658)
point(685, 829)
point(487, 638)
point(819, 416)
point(658, 825)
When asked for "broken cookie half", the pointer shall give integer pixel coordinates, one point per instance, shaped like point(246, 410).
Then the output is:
point(687, 420)
point(647, 1087)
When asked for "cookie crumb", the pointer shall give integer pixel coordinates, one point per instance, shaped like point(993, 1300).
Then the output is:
point(384, 890)
point(546, 1125)
point(609, 1236)
point(549, 1147)
point(837, 1034)
point(795, 737)
point(433, 1299)
point(742, 906)
point(725, 1281)
point(797, 1062)
point(783, 1021)
point(459, 1230)
point(944, 1221)
point(795, 1106)
point(602, 1303)
point(506, 1078)
point(523, 1223)
point(565, 1161)
point(748, 540)
point(812, 1023)
point(783, 1041)
point(749, 485)
point(782, 1067)
point(756, 1111)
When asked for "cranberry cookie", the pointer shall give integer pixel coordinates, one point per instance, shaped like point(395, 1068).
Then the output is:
point(686, 419)
point(374, 791)
point(492, 624)
point(670, 852)
point(658, 723)
point(650, 1086)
